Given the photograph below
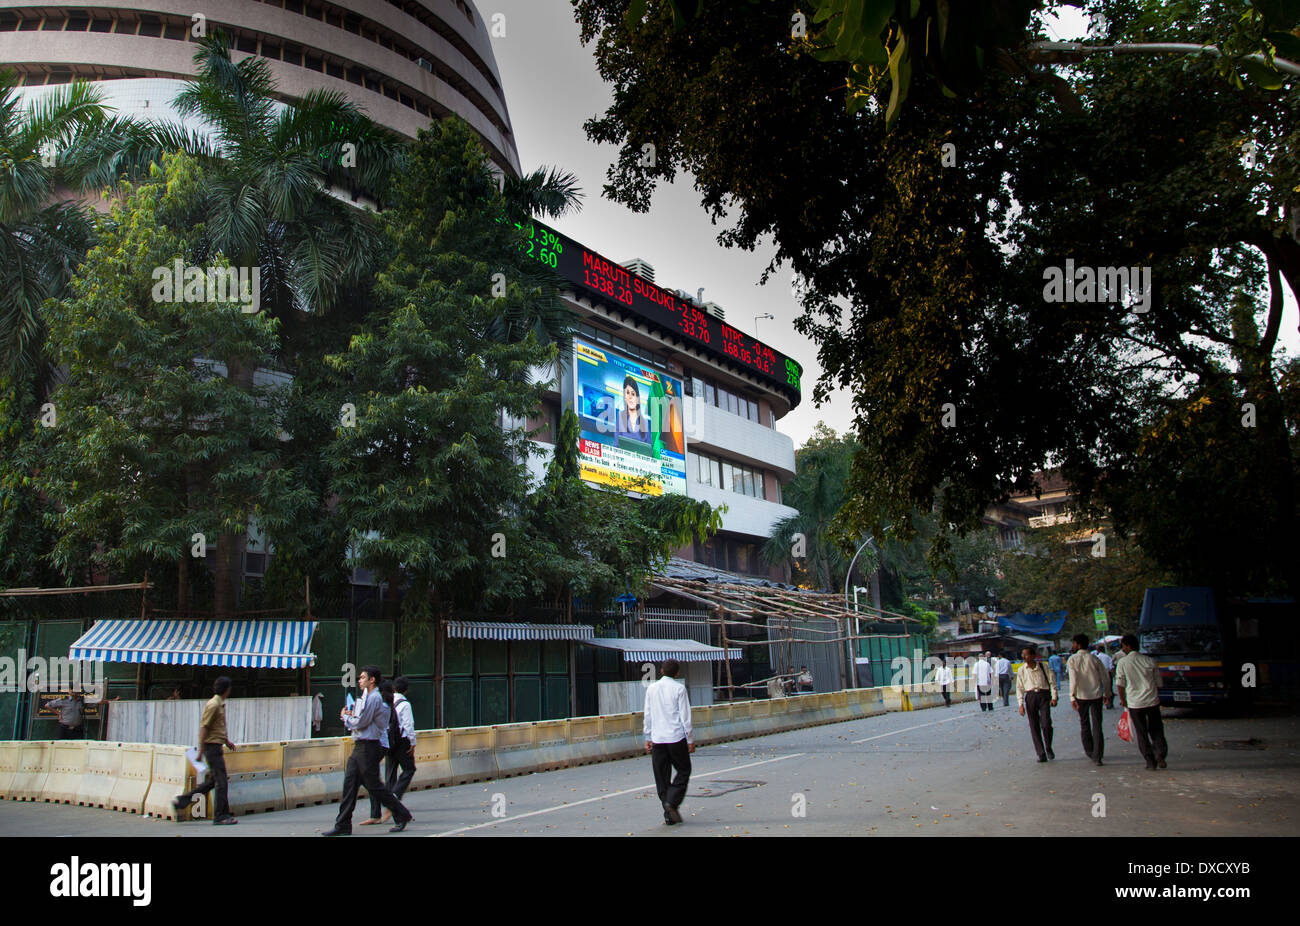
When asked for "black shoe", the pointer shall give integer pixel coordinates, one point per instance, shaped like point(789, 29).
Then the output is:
point(1151, 766)
point(337, 832)
point(673, 813)
point(181, 802)
point(397, 828)
point(1050, 754)
point(1042, 758)
point(1162, 763)
point(227, 820)
point(1098, 761)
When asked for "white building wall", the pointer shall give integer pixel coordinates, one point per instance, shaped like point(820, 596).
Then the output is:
point(709, 428)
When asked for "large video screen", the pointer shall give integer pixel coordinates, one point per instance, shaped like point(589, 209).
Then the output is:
point(632, 435)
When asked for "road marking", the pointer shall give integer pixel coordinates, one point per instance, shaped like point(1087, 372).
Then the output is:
point(933, 723)
point(534, 813)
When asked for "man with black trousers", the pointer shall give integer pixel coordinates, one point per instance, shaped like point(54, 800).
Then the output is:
point(366, 721)
point(669, 739)
point(1089, 687)
point(212, 737)
point(401, 746)
point(1036, 692)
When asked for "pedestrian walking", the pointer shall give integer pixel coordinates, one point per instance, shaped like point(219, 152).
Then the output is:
point(1036, 693)
point(943, 675)
point(401, 746)
point(367, 721)
point(386, 695)
point(1004, 680)
point(72, 715)
point(1056, 663)
point(669, 738)
point(1089, 687)
point(984, 683)
point(1109, 663)
point(213, 739)
point(1137, 676)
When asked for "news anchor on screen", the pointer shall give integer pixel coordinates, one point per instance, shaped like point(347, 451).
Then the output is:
point(631, 422)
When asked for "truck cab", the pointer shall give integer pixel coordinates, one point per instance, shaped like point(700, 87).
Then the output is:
point(1181, 629)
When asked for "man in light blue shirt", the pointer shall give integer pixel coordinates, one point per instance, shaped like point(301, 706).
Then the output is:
point(367, 721)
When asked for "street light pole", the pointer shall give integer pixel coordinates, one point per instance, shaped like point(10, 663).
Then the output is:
point(757, 317)
point(853, 658)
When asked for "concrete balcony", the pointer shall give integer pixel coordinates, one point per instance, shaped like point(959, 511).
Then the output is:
point(709, 428)
point(745, 515)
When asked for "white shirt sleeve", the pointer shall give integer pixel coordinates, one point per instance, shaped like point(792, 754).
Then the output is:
point(684, 699)
point(646, 710)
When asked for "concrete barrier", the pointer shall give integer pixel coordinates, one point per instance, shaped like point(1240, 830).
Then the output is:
point(720, 729)
point(8, 767)
point(622, 735)
point(172, 776)
point(840, 709)
point(102, 762)
point(584, 741)
point(893, 698)
point(432, 760)
point(256, 773)
point(67, 765)
point(780, 714)
point(551, 740)
point(701, 725)
point(313, 770)
point(761, 714)
point(33, 769)
point(472, 754)
point(134, 774)
point(516, 749)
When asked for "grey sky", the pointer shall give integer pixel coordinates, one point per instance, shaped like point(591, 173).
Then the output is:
point(552, 87)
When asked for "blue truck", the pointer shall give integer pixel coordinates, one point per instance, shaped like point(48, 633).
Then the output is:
point(1184, 630)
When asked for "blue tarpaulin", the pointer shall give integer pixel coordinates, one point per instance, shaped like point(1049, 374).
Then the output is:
point(1047, 624)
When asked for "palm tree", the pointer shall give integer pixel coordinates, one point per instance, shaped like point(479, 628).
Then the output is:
point(272, 168)
point(41, 238)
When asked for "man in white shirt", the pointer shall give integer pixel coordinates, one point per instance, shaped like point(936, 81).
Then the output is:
point(1138, 679)
point(1089, 687)
point(944, 677)
point(984, 683)
point(1109, 663)
point(1004, 680)
point(668, 738)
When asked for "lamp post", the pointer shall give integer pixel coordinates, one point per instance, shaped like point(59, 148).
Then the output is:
point(853, 660)
point(757, 317)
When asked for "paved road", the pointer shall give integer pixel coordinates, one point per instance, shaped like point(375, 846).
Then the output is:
point(950, 771)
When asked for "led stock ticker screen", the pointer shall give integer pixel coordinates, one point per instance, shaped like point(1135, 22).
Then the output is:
point(590, 271)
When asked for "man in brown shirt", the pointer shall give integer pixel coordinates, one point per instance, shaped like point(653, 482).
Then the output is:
point(212, 737)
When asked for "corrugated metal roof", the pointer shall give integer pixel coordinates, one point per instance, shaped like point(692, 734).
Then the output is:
point(635, 650)
point(500, 630)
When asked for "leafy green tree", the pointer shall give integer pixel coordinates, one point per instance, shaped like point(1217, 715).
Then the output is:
point(924, 248)
point(150, 444)
point(1058, 571)
point(271, 168)
point(817, 491)
point(428, 479)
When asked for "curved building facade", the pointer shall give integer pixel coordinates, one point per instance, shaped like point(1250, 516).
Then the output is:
point(404, 62)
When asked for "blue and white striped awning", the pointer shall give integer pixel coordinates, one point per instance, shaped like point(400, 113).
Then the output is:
point(635, 650)
point(254, 644)
point(497, 630)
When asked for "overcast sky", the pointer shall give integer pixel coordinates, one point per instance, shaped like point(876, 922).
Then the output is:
point(552, 88)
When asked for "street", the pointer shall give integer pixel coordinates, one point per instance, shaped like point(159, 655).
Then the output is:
point(944, 771)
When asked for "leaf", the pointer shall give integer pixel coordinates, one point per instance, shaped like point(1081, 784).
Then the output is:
point(1262, 75)
point(1287, 45)
point(635, 13)
point(900, 74)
